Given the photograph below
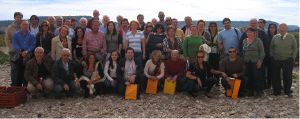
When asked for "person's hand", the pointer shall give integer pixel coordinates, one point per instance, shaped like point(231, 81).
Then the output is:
point(258, 64)
point(153, 77)
point(39, 87)
point(224, 75)
point(66, 87)
point(77, 82)
point(159, 45)
point(144, 56)
point(235, 75)
point(175, 77)
point(113, 82)
point(199, 83)
point(24, 53)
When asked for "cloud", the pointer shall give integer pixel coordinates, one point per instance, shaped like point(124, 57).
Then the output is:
point(275, 10)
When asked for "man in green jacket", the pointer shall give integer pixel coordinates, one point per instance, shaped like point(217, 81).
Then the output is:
point(283, 50)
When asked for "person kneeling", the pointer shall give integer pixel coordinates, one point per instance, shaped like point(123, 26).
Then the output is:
point(199, 76)
point(91, 81)
point(37, 73)
point(63, 75)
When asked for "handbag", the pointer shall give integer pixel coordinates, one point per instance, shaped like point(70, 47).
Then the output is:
point(169, 87)
point(131, 92)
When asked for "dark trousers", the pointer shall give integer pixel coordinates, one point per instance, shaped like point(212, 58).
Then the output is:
point(17, 73)
point(192, 85)
point(100, 88)
point(59, 89)
point(181, 80)
point(83, 85)
point(254, 75)
point(267, 71)
point(287, 69)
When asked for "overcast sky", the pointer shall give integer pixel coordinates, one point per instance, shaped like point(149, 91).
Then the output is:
point(276, 10)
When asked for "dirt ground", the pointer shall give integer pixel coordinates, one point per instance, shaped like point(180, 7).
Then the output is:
point(160, 105)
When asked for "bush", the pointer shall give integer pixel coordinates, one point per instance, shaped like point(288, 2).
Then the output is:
point(4, 58)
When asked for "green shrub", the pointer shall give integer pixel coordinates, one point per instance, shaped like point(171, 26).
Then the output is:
point(4, 58)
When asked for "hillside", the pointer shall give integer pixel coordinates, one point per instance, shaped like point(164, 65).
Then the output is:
point(238, 24)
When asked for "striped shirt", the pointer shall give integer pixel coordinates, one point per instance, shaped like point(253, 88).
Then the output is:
point(134, 41)
point(93, 42)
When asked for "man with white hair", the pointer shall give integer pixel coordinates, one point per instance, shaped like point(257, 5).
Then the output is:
point(64, 76)
point(103, 27)
point(38, 73)
point(283, 51)
point(83, 24)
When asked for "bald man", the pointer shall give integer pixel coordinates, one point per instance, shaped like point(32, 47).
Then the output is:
point(283, 51)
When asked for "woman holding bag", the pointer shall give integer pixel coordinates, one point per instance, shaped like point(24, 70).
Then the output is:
point(199, 76)
point(92, 77)
point(155, 68)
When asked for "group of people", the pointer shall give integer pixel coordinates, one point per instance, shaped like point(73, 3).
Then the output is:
point(59, 57)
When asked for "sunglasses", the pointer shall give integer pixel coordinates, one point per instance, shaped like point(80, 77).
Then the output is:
point(232, 51)
point(44, 25)
point(200, 57)
point(212, 26)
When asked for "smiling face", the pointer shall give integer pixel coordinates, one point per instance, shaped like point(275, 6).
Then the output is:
point(282, 29)
point(201, 26)
point(129, 54)
point(39, 53)
point(114, 56)
point(45, 26)
point(79, 33)
point(63, 31)
point(134, 26)
point(110, 27)
point(24, 26)
point(250, 34)
point(200, 57)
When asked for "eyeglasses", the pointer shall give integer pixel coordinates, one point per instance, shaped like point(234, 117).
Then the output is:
point(232, 51)
point(200, 57)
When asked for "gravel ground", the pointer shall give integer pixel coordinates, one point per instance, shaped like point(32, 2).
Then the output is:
point(160, 105)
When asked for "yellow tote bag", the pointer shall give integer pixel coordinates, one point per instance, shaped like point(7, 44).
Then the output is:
point(151, 86)
point(131, 92)
point(229, 91)
point(169, 87)
point(236, 88)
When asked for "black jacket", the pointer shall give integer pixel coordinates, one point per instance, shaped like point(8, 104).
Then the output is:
point(60, 75)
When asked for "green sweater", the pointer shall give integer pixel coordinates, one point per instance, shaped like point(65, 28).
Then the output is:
point(283, 49)
point(253, 52)
point(191, 46)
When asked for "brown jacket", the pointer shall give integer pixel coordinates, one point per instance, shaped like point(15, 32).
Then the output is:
point(31, 69)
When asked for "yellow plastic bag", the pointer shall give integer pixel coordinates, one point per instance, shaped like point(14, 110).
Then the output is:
point(131, 92)
point(169, 87)
point(229, 91)
point(234, 88)
point(151, 86)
